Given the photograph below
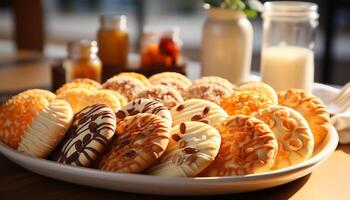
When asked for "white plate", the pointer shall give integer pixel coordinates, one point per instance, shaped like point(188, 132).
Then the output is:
point(172, 185)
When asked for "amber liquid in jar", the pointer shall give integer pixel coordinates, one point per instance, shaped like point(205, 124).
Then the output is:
point(82, 61)
point(113, 40)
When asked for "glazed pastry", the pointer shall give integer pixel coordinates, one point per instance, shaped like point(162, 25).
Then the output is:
point(168, 96)
point(141, 139)
point(207, 91)
point(44, 93)
point(47, 130)
point(91, 131)
point(248, 146)
point(192, 147)
point(293, 134)
point(17, 114)
point(245, 103)
point(198, 110)
point(144, 106)
point(262, 89)
point(122, 100)
point(127, 86)
point(311, 108)
point(87, 84)
point(88, 81)
point(172, 75)
point(138, 76)
point(76, 97)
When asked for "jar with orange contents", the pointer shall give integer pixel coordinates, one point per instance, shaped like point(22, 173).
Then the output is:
point(112, 38)
point(160, 47)
point(82, 61)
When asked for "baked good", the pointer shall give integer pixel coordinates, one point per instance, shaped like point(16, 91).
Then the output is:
point(172, 75)
point(76, 97)
point(144, 106)
point(293, 134)
point(245, 103)
point(44, 93)
point(129, 87)
point(168, 96)
point(138, 76)
point(174, 83)
point(91, 131)
point(107, 97)
point(47, 130)
point(88, 81)
point(262, 89)
point(16, 114)
point(311, 108)
point(223, 83)
point(79, 83)
point(122, 100)
point(198, 110)
point(141, 139)
point(247, 146)
point(192, 147)
point(207, 91)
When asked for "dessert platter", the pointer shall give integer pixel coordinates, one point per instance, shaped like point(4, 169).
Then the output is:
point(167, 134)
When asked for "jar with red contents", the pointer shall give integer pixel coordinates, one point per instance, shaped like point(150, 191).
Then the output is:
point(160, 47)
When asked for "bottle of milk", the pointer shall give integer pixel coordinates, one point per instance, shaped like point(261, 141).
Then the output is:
point(288, 42)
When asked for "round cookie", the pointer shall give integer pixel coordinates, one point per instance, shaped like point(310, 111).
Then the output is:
point(244, 103)
point(47, 130)
point(16, 115)
point(44, 93)
point(107, 97)
point(168, 96)
point(198, 110)
point(173, 83)
point(247, 146)
point(122, 100)
point(173, 75)
point(88, 81)
point(138, 76)
point(293, 134)
point(207, 91)
point(144, 106)
point(77, 84)
point(91, 131)
point(311, 108)
point(262, 89)
point(224, 83)
point(141, 139)
point(192, 147)
point(76, 97)
point(129, 87)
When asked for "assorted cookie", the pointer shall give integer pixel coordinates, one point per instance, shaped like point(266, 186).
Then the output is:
point(166, 125)
point(193, 146)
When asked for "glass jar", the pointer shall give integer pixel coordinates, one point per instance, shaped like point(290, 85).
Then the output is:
point(112, 40)
point(82, 61)
point(160, 47)
point(288, 40)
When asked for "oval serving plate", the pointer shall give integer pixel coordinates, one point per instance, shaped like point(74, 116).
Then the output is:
point(148, 184)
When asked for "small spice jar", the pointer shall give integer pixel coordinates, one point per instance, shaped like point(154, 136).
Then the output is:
point(82, 61)
point(160, 47)
point(112, 38)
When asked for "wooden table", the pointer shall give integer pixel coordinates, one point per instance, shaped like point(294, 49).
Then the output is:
point(331, 180)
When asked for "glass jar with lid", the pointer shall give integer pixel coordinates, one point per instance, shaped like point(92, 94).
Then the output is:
point(289, 29)
point(160, 47)
point(112, 38)
point(82, 61)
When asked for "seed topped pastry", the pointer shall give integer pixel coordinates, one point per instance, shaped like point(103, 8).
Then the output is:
point(311, 108)
point(140, 140)
point(168, 96)
point(261, 88)
point(192, 147)
point(172, 75)
point(174, 83)
point(138, 76)
point(224, 83)
point(198, 110)
point(207, 91)
point(293, 134)
point(247, 146)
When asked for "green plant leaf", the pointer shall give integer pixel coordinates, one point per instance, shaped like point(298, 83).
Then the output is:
point(250, 13)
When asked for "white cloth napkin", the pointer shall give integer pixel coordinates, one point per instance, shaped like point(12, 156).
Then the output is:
point(341, 121)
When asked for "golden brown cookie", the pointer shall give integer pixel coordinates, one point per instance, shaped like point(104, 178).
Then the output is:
point(173, 75)
point(140, 140)
point(207, 91)
point(311, 108)
point(91, 131)
point(88, 81)
point(174, 83)
point(244, 103)
point(129, 87)
point(192, 147)
point(44, 93)
point(262, 89)
point(122, 100)
point(138, 76)
point(17, 114)
point(224, 83)
point(168, 96)
point(293, 134)
point(76, 97)
point(79, 83)
point(247, 146)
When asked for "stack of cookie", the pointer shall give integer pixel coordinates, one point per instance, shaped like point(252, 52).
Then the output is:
point(166, 125)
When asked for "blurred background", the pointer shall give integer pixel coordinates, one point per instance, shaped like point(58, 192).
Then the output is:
point(47, 25)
